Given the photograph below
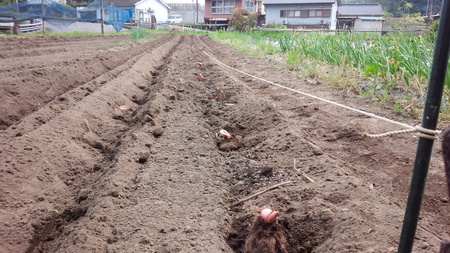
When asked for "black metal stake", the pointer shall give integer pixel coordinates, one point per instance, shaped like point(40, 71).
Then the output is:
point(429, 121)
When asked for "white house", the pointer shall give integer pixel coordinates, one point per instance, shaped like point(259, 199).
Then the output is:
point(302, 13)
point(324, 14)
point(145, 9)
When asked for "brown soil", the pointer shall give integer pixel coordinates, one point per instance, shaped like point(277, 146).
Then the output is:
point(78, 174)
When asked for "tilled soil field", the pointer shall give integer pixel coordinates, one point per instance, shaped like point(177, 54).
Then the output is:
point(113, 146)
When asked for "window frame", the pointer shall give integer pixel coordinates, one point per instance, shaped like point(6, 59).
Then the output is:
point(324, 13)
point(250, 8)
point(223, 6)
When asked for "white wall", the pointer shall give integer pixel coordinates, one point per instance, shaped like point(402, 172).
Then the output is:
point(368, 25)
point(333, 17)
point(161, 11)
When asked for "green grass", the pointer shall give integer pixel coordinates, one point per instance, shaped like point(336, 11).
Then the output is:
point(138, 33)
point(395, 60)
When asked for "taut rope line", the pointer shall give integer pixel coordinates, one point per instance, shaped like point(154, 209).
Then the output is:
point(425, 133)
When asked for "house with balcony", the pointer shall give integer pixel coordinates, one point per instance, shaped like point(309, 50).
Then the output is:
point(221, 11)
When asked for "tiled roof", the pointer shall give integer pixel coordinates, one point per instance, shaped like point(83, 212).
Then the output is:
point(120, 3)
point(360, 10)
point(299, 1)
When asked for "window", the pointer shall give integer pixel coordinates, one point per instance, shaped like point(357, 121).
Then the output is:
point(326, 13)
point(315, 13)
point(305, 13)
point(293, 13)
point(320, 13)
point(222, 6)
point(250, 7)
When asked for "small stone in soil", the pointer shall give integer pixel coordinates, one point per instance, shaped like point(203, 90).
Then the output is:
point(157, 132)
point(143, 156)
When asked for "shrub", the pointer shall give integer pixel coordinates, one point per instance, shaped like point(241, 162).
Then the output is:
point(242, 20)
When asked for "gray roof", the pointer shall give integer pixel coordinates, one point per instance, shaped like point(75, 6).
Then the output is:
point(122, 3)
point(299, 1)
point(360, 10)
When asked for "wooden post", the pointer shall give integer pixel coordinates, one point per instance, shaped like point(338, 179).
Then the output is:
point(42, 16)
point(102, 18)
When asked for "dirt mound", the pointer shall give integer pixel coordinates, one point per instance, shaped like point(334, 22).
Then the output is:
point(117, 148)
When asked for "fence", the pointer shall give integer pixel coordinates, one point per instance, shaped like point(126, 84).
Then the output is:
point(34, 27)
point(62, 16)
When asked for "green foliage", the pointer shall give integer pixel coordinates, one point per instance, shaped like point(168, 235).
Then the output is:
point(286, 43)
point(434, 26)
point(5, 32)
point(293, 61)
point(10, 2)
point(398, 108)
point(388, 14)
point(242, 20)
point(138, 33)
point(405, 23)
point(276, 26)
point(405, 6)
point(399, 58)
point(395, 60)
point(396, 7)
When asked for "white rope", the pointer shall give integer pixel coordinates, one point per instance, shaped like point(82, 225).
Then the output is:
point(428, 132)
point(422, 132)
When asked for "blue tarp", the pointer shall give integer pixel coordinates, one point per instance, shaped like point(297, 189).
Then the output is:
point(60, 15)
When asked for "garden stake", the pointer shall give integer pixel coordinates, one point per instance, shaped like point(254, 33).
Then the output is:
point(429, 121)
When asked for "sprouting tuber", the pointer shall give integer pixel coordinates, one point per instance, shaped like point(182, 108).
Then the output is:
point(266, 235)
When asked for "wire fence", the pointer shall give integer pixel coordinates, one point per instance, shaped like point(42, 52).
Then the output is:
point(62, 16)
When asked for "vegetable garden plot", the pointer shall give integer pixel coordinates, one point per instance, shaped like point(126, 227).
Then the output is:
point(83, 174)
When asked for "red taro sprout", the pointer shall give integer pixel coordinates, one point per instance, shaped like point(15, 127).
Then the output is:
point(268, 215)
point(225, 133)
